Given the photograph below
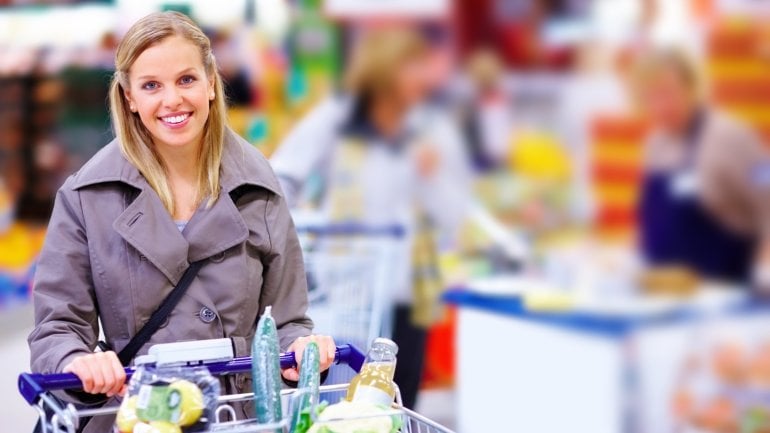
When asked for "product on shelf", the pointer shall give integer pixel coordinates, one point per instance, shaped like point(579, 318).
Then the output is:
point(724, 388)
point(266, 371)
point(374, 384)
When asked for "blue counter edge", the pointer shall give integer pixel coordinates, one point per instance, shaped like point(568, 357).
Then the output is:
point(605, 326)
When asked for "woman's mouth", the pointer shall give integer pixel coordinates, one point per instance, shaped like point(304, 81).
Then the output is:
point(176, 120)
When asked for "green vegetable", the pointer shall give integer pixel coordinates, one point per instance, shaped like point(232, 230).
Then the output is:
point(305, 420)
point(309, 382)
point(356, 417)
point(266, 371)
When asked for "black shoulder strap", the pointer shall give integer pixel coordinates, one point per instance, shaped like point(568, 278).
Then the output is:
point(160, 315)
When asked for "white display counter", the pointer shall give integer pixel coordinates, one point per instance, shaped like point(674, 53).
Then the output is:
point(519, 371)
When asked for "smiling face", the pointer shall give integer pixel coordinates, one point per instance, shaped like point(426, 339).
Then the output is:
point(170, 91)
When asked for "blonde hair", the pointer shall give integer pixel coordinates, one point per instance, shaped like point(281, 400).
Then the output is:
point(134, 138)
point(377, 57)
point(649, 65)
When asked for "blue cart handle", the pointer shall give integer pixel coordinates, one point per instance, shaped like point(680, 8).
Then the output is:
point(32, 385)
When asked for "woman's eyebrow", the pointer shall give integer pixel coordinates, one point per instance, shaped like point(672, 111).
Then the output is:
point(182, 72)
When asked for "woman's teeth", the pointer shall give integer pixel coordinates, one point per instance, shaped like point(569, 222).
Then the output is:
point(176, 119)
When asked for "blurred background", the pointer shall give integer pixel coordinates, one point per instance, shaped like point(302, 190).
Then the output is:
point(540, 292)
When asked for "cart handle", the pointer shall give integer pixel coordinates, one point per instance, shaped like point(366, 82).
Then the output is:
point(32, 385)
point(395, 231)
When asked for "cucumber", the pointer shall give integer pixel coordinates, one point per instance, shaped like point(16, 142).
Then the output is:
point(266, 371)
point(309, 382)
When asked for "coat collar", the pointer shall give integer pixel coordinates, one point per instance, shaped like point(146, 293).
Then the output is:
point(242, 165)
point(147, 226)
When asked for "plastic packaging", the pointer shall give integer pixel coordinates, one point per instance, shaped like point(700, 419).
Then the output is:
point(308, 387)
point(168, 400)
point(266, 371)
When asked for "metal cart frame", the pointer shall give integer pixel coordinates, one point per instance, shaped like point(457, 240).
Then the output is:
point(36, 389)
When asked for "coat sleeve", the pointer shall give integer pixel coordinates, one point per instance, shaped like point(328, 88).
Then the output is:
point(66, 317)
point(284, 286)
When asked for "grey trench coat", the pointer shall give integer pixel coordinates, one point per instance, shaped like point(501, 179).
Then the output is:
point(113, 252)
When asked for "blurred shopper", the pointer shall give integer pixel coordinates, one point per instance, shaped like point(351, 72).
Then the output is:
point(487, 119)
point(177, 199)
point(705, 199)
point(385, 157)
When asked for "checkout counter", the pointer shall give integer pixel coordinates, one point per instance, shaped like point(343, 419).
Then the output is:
point(601, 366)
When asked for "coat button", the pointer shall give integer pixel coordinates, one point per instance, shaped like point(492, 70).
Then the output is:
point(207, 315)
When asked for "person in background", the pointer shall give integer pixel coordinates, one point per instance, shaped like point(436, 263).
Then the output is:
point(705, 197)
point(488, 118)
point(386, 157)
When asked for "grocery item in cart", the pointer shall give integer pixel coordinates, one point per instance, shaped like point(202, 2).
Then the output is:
point(356, 417)
point(374, 384)
point(266, 371)
point(168, 399)
point(308, 388)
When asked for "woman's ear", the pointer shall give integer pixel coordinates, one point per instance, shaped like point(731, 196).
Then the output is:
point(212, 92)
point(127, 95)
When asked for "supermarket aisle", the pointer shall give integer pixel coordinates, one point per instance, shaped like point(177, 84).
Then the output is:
point(15, 325)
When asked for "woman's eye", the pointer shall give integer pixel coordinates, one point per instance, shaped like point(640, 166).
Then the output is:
point(150, 85)
point(187, 79)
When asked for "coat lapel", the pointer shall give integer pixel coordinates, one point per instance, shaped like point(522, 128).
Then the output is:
point(147, 226)
point(216, 229)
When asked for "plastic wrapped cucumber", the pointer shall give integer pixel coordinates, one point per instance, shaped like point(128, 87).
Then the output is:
point(266, 371)
point(309, 382)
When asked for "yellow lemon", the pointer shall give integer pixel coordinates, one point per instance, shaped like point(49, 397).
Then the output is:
point(191, 407)
point(164, 427)
point(126, 419)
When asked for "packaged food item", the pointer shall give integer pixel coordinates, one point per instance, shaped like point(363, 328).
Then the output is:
point(374, 384)
point(168, 400)
point(356, 417)
point(266, 371)
point(670, 281)
point(308, 389)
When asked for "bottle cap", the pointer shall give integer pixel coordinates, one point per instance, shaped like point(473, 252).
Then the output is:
point(390, 344)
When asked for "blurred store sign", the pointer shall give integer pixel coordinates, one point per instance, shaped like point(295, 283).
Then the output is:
point(61, 26)
point(389, 8)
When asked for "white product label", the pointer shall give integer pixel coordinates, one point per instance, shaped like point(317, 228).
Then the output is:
point(370, 394)
point(143, 399)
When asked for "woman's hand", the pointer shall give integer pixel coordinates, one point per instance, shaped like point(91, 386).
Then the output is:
point(326, 348)
point(101, 373)
point(427, 158)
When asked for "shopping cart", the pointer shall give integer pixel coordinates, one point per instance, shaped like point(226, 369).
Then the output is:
point(350, 269)
point(60, 418)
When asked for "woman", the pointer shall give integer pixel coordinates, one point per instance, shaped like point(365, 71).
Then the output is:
point(384, 157)
point(175, 187)
point(705, 200)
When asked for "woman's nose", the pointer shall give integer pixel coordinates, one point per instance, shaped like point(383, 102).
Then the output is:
point(172, 97)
